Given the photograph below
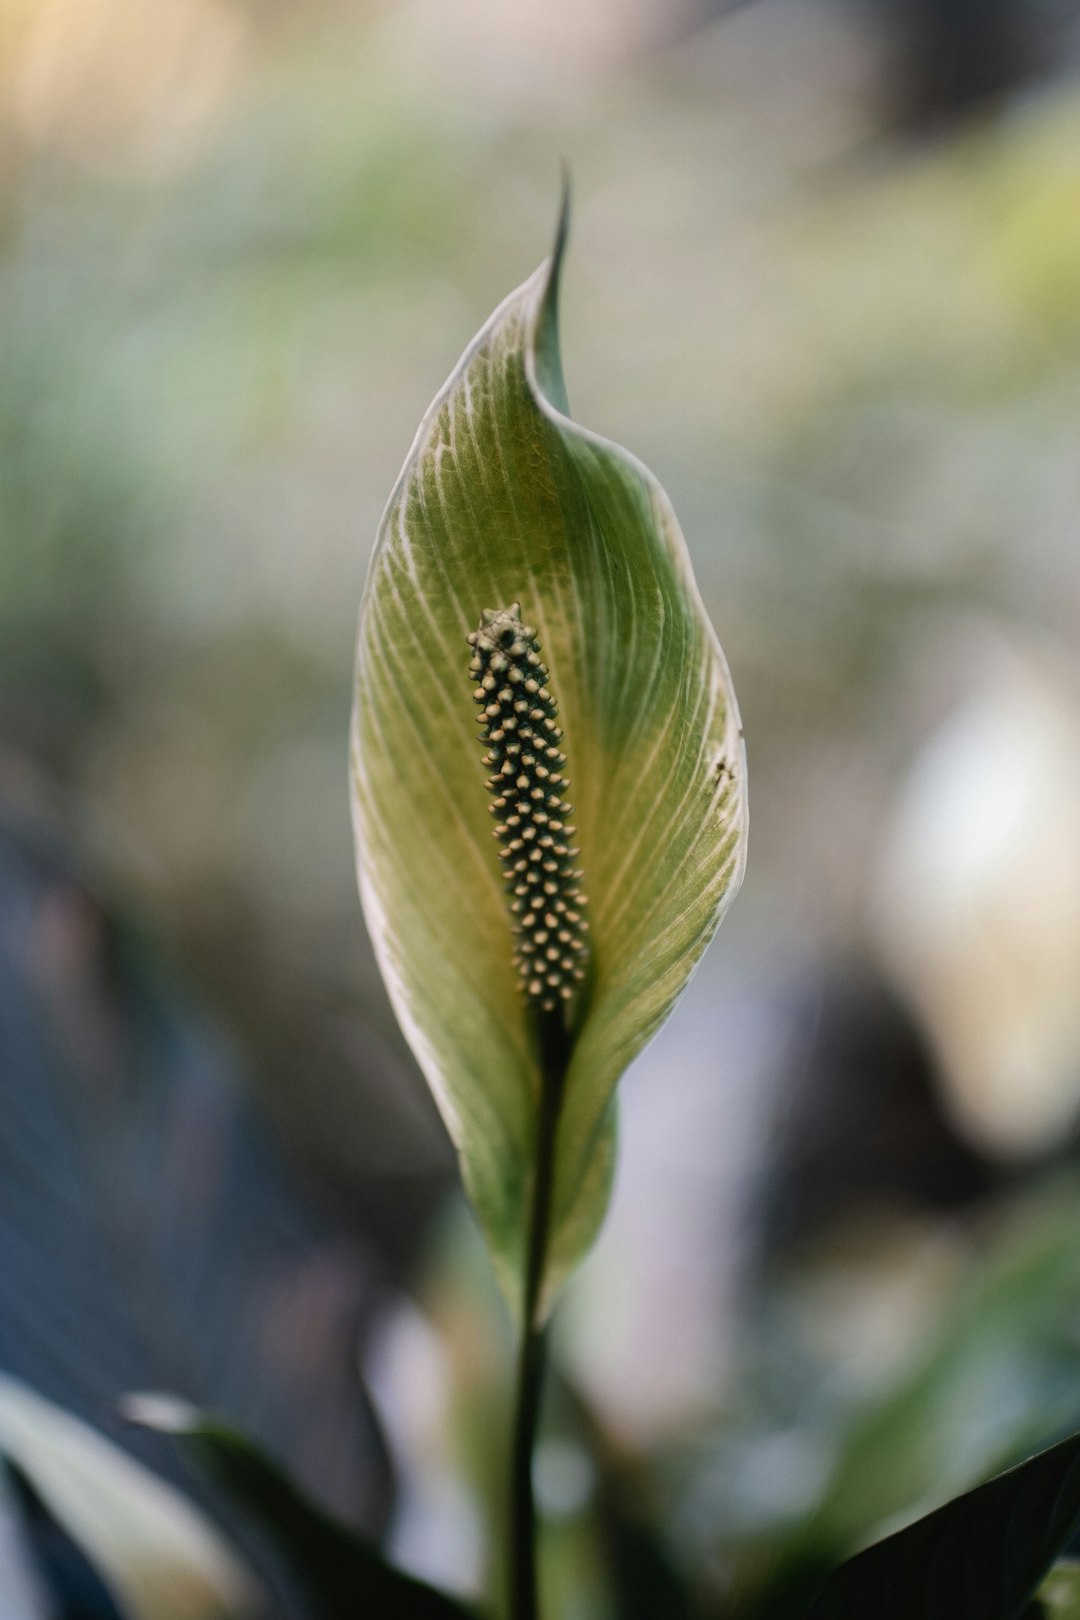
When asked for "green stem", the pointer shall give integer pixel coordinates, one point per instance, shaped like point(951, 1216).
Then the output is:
point(524, 1588)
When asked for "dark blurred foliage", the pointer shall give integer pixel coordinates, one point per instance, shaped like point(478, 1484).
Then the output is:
point(861, 1121)
point(152, 1232)
point(949, 60)
point(75, 1590)
point(958, 56)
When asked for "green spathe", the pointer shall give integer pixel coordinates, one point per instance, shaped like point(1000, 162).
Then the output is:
point(503, 499)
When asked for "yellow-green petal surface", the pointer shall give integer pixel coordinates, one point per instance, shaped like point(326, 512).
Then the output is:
point(503, 498)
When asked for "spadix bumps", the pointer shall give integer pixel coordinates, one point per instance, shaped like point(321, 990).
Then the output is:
point(519, 725)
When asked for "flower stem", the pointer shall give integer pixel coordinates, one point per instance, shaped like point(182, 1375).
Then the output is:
point(524, 1587)
point(524, 1600)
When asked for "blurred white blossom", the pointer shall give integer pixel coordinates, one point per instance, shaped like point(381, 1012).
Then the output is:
point(979, 904)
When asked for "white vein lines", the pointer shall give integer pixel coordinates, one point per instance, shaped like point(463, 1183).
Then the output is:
point(504, 497)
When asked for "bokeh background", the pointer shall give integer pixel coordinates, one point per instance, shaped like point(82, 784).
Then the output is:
point(825, 280)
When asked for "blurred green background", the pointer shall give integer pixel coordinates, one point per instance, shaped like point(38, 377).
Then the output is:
point(825, 281)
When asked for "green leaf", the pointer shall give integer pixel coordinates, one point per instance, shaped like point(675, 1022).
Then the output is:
point(980, 1557)
point(161, 1558)
point(941, 1425)
point(504, 499)
point(102, 1252)
point(1059, 1594)
point(344, 1575)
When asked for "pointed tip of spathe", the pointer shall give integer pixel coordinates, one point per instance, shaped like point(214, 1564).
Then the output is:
point(566, 208)
point(562, 235)
point(548, 374)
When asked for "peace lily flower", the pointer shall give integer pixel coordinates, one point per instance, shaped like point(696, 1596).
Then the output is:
point(539, 570)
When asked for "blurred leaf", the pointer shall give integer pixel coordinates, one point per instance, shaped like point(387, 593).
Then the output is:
point(149, 1230)
point(21, 1593)
point(160, 1556)
point(645, 1580)
point(504, 499)
point(980, 1557)
point(997, 1378)
point(342, 1573)
point(1060, 1592)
